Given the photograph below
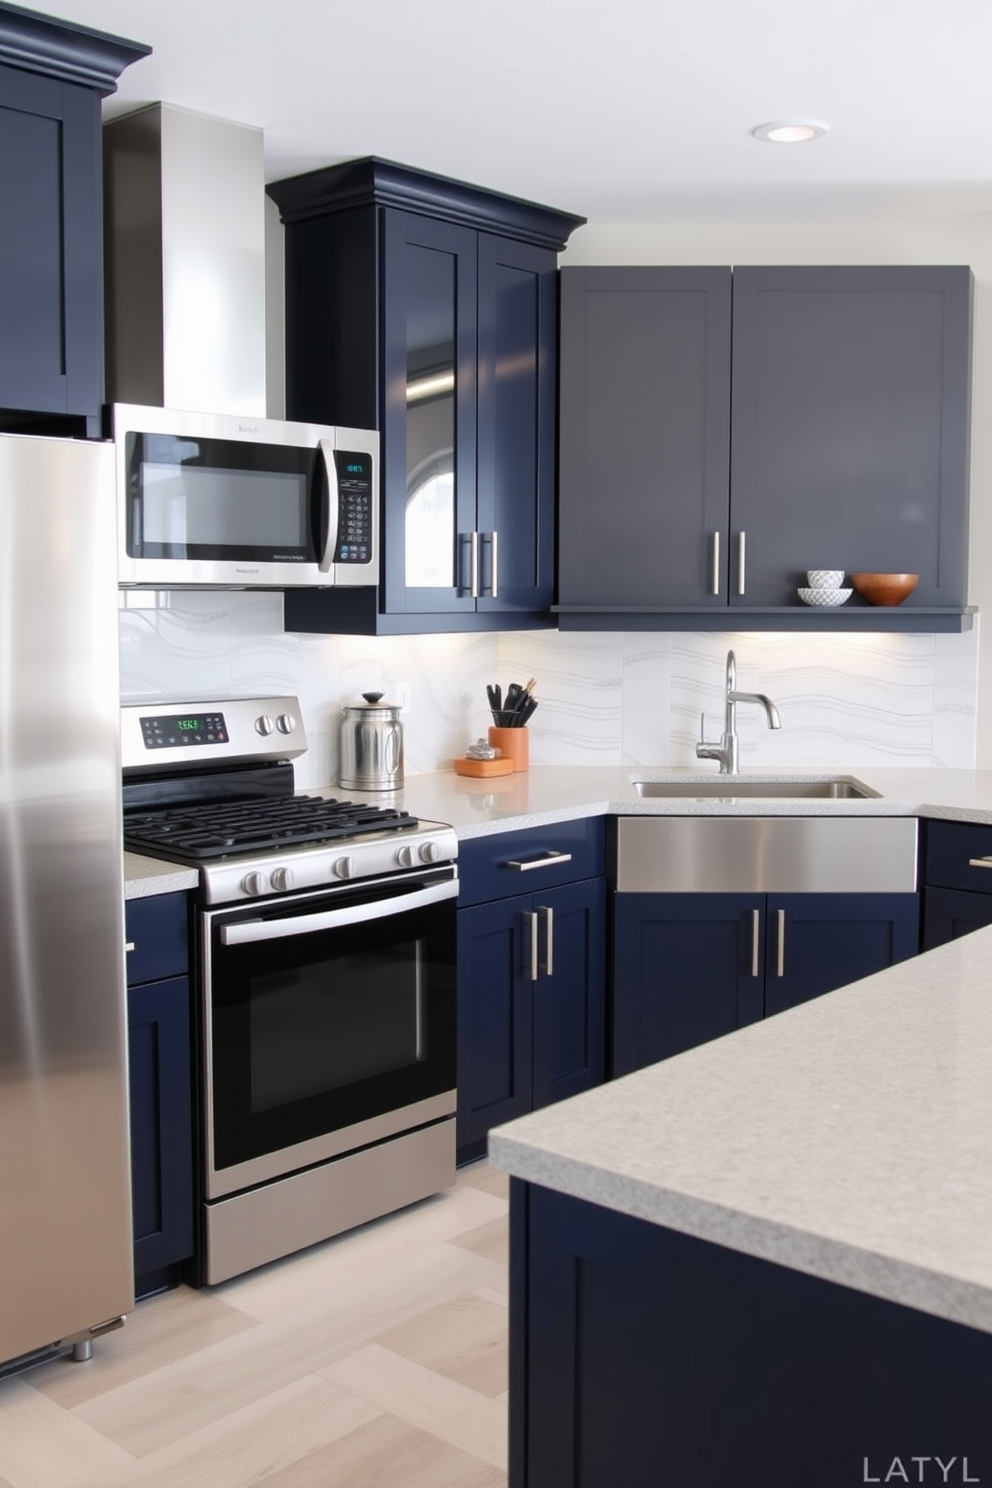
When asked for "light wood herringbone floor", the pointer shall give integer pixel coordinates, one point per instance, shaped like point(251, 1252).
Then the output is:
point(378, 1358)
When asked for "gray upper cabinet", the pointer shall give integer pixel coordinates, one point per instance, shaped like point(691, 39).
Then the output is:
point(644, 447)
point(722, 433)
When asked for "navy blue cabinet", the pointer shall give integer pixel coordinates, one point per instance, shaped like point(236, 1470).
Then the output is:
point(723, 433)
point(160, 1089)
point(531, 974)
point(957, 894)
point(427, 309)
point(691, 967)
point(646, 1358)
point(51, 247)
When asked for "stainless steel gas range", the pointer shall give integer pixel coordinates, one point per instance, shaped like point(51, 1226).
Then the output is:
point(323, 938)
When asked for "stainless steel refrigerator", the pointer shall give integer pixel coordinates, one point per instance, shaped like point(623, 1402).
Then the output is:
point(65, 1206)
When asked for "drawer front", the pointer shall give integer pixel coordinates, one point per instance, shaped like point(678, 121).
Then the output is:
point(157, 929)
point(951, 849)
point(531, 860)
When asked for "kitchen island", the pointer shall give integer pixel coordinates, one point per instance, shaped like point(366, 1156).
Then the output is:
point(767, 1261)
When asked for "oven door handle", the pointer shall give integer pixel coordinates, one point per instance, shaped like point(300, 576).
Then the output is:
point(244, 932)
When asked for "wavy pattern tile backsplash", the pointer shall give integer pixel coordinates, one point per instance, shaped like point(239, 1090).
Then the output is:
point(606, 699)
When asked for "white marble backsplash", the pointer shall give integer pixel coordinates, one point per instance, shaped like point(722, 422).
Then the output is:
point(605, 699)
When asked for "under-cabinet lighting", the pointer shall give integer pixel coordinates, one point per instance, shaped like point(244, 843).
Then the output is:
point(796, 132)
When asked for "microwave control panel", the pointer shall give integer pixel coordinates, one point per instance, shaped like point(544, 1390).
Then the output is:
point(354, 474)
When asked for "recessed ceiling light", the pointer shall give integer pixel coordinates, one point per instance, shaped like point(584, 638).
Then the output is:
point(794, 132)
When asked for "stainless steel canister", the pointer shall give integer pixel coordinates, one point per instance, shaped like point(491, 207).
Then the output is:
point(371, 745)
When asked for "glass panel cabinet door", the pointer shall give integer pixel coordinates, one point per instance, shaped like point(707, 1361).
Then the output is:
point(429, 446)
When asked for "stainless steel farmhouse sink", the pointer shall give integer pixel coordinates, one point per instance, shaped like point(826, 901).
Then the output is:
point(754, 788)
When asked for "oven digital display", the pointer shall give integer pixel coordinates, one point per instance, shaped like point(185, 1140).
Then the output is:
point(175, 731)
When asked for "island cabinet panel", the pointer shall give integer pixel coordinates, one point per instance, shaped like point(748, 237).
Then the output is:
point(531, 976)
point(722, 433)
point(691, 967)
point(160, 1089)
point(428, 309)
point(957, 894)
point(651, 1359)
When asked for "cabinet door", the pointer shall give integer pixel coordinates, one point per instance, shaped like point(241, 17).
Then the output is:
point(569, 995)
point(687, 968)
point(948, 913)
point(644, 436)
point(161, 1128)
point(51, 253)
point(849, 427)
point(516, 424)
point(494, 1018)
point(429, 425)
point(816, 942)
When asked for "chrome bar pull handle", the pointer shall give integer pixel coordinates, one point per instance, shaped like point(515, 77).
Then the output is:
point(715, 574)
point(473, 543)
point(755, 941)
point(741, 560)
point(980, 862)
point(548, 915)
point(780, 959)
point(494, 564)
point(534, 966)
point(548, 859)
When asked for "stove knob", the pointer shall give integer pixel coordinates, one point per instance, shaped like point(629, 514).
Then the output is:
point(285, 723)
point(264, 725)
point(254, 884)
point(404, 856)
point(282, 879)
point(429, 852)
point(344, 867)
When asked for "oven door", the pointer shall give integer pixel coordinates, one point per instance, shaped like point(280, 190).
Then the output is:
point(329, 1023)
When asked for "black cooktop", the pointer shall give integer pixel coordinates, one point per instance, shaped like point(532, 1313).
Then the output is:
point(205, 830)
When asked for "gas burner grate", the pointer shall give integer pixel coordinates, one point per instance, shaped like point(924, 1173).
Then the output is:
point(223, 828)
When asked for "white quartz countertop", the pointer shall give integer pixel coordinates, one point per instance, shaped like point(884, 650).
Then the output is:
point(146, 876)
point(545, 794)
point(849, 1138)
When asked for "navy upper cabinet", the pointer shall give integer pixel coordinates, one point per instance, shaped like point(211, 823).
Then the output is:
point(721, 433)
point(427, 309)
point(52, 77)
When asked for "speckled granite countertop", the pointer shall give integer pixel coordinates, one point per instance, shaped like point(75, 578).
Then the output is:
point(849, 1138)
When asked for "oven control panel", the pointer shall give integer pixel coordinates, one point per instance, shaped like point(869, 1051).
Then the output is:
point(154, 735)
point(227, 881)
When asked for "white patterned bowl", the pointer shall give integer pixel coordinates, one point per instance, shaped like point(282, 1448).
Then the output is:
point(825, 598)
point(825, 578)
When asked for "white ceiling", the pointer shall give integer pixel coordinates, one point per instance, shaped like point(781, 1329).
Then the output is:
point(622, 110)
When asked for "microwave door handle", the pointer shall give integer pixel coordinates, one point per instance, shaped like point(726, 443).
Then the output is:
point(248, 931)
point(325, 560)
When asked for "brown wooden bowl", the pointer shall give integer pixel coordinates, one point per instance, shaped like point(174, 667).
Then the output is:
point(884, 588)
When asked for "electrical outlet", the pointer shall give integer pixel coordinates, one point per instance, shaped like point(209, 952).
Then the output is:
point(402, 691)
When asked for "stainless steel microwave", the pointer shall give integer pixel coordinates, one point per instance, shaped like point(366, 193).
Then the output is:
point(221, 501)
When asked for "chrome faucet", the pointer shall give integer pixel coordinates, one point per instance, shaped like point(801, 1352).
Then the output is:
point(728, 749)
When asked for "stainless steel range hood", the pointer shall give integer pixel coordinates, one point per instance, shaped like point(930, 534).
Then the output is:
point(185, 254)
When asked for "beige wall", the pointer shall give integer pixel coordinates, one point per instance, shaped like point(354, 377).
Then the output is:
point(958, 240)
